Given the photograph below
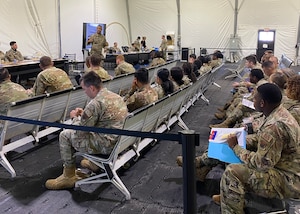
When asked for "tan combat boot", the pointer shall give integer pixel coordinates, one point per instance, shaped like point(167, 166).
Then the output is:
point(201, 172)
point(225, 124)
point(216, 199)
point(220, 115)
point(197, 161)
point(221, 109)
point(179, 160)
point(66, 181)
point(89, 165)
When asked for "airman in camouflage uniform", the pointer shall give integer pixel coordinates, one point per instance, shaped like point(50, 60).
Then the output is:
point(141, 93)
point(137, 44)
point(95, 61)
point(51, 79)
point(105, 110)
point(177, 76)
point(273, 170)
point(103, 74)
point(157, 61)
point(237, 110)
point(9, 91)
point(123, 67)
point(2, 56)
point(98, 42)
point(163, 46)
point(164, 85)
point(13, 53)
point(292, 104)
point(157, 58)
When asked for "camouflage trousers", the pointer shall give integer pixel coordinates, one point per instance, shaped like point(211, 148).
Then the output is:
point(239, 179)
point(71, 141)
point(204, 160)
point(232, 106)
point(239, 113)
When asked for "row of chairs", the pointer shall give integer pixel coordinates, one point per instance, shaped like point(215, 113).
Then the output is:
point(54, 107)
point(156, 117)
point(121, 83)
point(285, 62)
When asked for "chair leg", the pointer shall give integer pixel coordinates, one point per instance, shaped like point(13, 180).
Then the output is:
point(215, 84)
point(5, 163)
point(120, 185)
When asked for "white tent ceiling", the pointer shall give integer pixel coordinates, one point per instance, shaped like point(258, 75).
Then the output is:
point(39, 27)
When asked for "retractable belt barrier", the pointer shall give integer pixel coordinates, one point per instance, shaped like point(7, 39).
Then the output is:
point(187, 138)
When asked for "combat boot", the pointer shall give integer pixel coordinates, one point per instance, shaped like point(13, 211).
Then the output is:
point(225, 124)
point(179, 160)
point(89, 165)
point(66, 181)
point(216, 199)
point(220, 115)
point(197, 161)
point(221, 109)
point(201, 172)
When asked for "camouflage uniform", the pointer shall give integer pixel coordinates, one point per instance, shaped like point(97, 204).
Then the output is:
point(106, 110)
point(176, 86)
point(116, 49)
point(293, 106)
point(157, 61)
point(103, 74)
point(137, 45)
point(204, 69)
point(160, 91)
point(2, 56)
point(50, 80)
point(11, 92)
point(273, 171)
point(124, 68)
point(186, 80)
point(140, 98)
point(238, 99)
point(98, 42)
point(12, 54)
point(215, 63)
point(163, 47)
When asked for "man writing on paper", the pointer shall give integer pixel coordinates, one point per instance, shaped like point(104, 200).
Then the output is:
point(273, 170)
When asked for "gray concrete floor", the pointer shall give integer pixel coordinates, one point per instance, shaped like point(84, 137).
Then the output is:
point(155, 180)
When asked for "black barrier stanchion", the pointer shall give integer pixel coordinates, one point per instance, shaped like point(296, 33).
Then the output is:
point(189, 140)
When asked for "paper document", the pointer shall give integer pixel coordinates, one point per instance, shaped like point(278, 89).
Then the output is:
point(218, 147)
point(248, 103)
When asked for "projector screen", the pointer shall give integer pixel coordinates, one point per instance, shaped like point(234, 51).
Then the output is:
point(88, 30)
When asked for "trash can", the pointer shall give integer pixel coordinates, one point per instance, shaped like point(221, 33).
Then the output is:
point(185, 54)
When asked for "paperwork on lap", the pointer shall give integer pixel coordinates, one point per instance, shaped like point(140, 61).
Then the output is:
point(218, 147)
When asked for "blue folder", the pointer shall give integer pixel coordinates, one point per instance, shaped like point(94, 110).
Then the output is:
point(218, 147)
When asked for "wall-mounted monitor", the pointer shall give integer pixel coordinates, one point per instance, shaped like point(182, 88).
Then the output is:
point(88, 30)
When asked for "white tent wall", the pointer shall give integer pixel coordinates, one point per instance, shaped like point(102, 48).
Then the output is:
point(32, 25)
point(278, 15)
point(210, 24)
point(152, 19)
point(203, 23)
point(206, 24)
point(76, 12)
